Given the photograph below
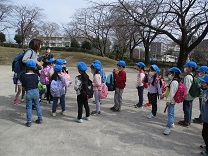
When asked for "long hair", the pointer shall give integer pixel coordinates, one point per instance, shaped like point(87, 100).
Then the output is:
point(84, 76)
point(176, 76)
point(35, 44)
point(55, 76)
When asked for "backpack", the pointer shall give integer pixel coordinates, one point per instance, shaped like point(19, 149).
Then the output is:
point(110, 82)
point(163, 85)
point(103, 91)
point(67, 77)
point(57, 89)
point(44, 75)
point(195, 90)
point(87, 88)
point(180, 95)
point(17, 64)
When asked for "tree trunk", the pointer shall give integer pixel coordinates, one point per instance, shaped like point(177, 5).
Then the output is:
point(147, 61)
point(183, 55)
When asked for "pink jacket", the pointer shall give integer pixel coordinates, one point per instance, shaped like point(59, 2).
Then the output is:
point(96, 82)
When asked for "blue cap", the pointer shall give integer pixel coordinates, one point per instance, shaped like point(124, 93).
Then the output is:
point(191, 64)
point(51, 60)
point(204, 79)
point(59, 62)
point(140, 64)
point(121, 63)
point(64, 62)
point(155, 67)
point(57, 68)
point(81, 66)
point(30, 63)
point(97, 67)
point(97, 62)
point(175, 69)
point(203, 69)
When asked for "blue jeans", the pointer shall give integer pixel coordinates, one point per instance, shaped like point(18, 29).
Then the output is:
point(55, 101)
point(171, 115)
point(32, 96)
point(187, 109)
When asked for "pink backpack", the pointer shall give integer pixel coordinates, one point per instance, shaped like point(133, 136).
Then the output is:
point(44, 75)
point(163, 85)
point(180, 95)
point(103, 91)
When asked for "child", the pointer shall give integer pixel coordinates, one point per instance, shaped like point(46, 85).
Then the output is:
point(64, 68)
point(154, 89)
point(201, 73)
point(20, 90)
point(190, 68)
point(140, 84)
point(42, 89)
point(120, 83)
point(81, 97)
point(95, 70)
point(204, 113)
point(174, 77)
point(58, 77)
point(30, 84)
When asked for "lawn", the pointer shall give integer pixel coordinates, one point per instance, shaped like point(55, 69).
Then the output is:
point(7, 55)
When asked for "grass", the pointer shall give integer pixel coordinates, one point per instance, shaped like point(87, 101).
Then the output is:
point(7, 55)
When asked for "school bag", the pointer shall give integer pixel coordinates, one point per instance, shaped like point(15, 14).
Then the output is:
point(163, 85)
point(17, 64)
point(67, 77)
point(110, 82)
point(195, 90)
point(103, 91)
point(87, 88)
point(44, 75)
point(57, 89)
point(180, 95)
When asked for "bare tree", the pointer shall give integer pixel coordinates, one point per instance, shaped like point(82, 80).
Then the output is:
point(5, 12)
point(26, 18)
point(182, 20)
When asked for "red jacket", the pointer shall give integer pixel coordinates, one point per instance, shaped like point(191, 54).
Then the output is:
point(120, 79)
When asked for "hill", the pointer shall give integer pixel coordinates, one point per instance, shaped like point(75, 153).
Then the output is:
point(7, 55)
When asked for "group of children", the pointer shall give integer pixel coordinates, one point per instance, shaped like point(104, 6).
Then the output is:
point(177, 91)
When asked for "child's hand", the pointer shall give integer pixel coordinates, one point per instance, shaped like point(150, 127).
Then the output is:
point(167, 103)
point(162, 96)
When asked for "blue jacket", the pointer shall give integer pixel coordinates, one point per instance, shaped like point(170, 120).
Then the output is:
point(103, 76)
point(204, 107)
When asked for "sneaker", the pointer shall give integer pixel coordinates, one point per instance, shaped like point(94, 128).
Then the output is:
point(16, 102)
point(116, 110)
point(28, 124)
point(203, 147)
point(182, 123)
point(23, 100)
point(112, 108)
point(147, 105)
point(167, 131)
point(79, 120)
point(39, 121)
point(151, 116)
point(53, 114)
point(173, 125)
point(63, 113)
point(138, 106)
point(95, 113)
point(205, 153)
point(39, 100)
point(197, 120)
point(49, 102)
point(87, 118)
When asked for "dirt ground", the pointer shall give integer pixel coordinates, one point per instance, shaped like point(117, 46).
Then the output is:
point(128, 132)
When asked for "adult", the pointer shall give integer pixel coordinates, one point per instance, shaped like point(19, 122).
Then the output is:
point(47, 56)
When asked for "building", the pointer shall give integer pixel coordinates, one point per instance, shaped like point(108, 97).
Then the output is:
point(56, 41)
point(158, 49)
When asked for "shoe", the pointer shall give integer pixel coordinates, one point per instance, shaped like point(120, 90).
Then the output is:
point(16, 102)
point(116, 110)
point(53, 114)
point(63, 113)
point(197, 120)
point(205, 153)
point(173, 125)
point(167, 131)
point(182, 123)
point(203, 147)
point(39, 121)
point(95, 113)
point(79, 120)
point(112, 108)
point(138, 106)
point(151, 116)
point(23, 100)
point(39, 100)
point(28, 124)
point(87, 118)
point(147, 105)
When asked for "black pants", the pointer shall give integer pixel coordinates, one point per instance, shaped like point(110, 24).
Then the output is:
point(153, 100)
point(48, 94)
point(140, 94)
point(205, 134)
point(82, 100)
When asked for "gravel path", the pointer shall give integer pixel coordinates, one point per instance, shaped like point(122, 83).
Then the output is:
point(128, 132)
